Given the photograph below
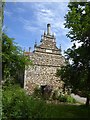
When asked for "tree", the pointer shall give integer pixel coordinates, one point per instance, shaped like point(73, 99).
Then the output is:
point(76, 73)
point(13, 59)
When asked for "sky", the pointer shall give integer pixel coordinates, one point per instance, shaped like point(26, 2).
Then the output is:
point(27, 21)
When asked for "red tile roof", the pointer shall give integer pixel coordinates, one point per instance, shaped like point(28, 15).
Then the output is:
point(27, 53)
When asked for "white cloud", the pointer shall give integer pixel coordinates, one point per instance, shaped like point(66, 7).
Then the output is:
point(48, 13)
point(44, 13)
point(51, 13)
point(8, 13)
point(20, 10)
point(27, 24)
point(36, 0)
point(30, 28)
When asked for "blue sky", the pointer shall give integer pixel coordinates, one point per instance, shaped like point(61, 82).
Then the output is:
point(26, 22)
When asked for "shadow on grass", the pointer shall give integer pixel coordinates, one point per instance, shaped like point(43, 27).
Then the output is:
point(67, 111)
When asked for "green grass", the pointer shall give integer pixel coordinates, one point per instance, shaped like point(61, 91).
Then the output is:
point(66, 111)
point(18, 105)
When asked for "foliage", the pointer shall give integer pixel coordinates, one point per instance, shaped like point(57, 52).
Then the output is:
point(62, 98)
point(66, 111)
point(76, 73)
point(42, 92)
point(16, 104)
point(13, 59)
point(70, 99)
point(37, 93)
point(66, 98)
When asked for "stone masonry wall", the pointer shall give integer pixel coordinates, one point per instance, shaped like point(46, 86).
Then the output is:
point(47, 59)
point(44, 71)
point(42, 75)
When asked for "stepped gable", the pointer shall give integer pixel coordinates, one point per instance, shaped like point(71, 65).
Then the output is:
point(47, 59)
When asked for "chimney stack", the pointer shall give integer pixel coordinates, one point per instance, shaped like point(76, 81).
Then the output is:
point(48, 29)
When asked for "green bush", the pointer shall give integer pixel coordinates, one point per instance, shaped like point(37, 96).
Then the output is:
point(42, 93)
point(62, 98)
point(16, 104)
point(66, 98)
point(37, 93)
point(70, 99)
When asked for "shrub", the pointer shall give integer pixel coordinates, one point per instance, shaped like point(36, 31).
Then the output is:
point(37, 93)
point(66, 98)
point(70, 99)
point(16, 104)
point(62, 98)
point(44, 92)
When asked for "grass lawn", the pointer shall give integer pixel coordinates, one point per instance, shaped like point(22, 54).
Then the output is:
point(18, 105)
point(66, 111)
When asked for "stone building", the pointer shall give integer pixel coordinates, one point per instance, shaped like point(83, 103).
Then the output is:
point(47, 59)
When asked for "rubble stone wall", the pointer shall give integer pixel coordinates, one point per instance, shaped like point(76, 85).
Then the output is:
point(47, 59)
point(42, 75)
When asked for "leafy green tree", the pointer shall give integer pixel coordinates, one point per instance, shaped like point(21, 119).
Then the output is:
point(13, 59)
point(76, 73)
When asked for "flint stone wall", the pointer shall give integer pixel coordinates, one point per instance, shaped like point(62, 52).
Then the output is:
point(44, 71)
point(47, 59)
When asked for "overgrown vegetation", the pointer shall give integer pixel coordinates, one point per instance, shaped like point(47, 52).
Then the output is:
point(65, 98)
point(76, 73)
point(18, 105)
point(43, 93)
point(13, 59)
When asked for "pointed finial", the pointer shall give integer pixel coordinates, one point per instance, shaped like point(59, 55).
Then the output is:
point(35, 45)
point(60, 48)
point(48, 29)
point(53, 35)
point(44, 33)
point(29, 49)
point(41, 38)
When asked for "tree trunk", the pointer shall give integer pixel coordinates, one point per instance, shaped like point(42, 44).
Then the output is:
point(87, 101)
